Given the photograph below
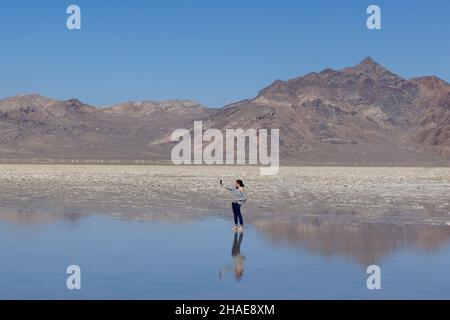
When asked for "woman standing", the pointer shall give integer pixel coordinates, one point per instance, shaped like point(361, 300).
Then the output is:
point(238, 199)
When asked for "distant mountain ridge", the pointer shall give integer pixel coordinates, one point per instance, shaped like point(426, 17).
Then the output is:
point(37, 127)
point(363, 113)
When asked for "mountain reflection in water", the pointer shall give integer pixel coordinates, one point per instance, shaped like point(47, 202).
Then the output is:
point(364, 243)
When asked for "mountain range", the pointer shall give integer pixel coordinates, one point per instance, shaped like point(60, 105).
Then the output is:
point(363, 113)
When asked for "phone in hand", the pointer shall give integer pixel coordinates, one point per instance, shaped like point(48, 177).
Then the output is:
point(221, 182)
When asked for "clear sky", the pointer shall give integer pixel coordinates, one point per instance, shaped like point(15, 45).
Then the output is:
point(215, 52)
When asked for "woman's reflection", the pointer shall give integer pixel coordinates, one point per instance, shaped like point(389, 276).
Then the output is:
point(238, 258)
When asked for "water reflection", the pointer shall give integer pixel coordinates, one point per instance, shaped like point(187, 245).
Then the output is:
point(29, 218)
point(364, 243)
point(238, 258)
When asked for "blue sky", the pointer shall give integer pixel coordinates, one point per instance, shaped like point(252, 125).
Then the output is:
point(215, 52)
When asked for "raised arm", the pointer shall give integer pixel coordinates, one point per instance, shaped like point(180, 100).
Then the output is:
point(228, 188)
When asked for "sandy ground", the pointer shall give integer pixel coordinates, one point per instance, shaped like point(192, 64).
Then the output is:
point(325, 194)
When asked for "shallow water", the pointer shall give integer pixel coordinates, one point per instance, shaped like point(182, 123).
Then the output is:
point(332, 194)
point(128, 259)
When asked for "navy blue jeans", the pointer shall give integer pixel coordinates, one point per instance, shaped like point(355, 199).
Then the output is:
point(237, 213)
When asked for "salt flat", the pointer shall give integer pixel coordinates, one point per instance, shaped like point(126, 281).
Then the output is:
point(332, 194)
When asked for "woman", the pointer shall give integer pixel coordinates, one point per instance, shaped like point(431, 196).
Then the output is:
point(239, 197)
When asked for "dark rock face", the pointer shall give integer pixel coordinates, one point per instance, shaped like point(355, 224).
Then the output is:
point(434, 96)
point(363, 113)
point(360, 114)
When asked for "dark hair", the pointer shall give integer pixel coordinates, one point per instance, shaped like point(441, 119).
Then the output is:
point(239, 182)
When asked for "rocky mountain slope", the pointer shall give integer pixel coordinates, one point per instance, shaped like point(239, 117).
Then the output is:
point(36, 127)
point(363, 113)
